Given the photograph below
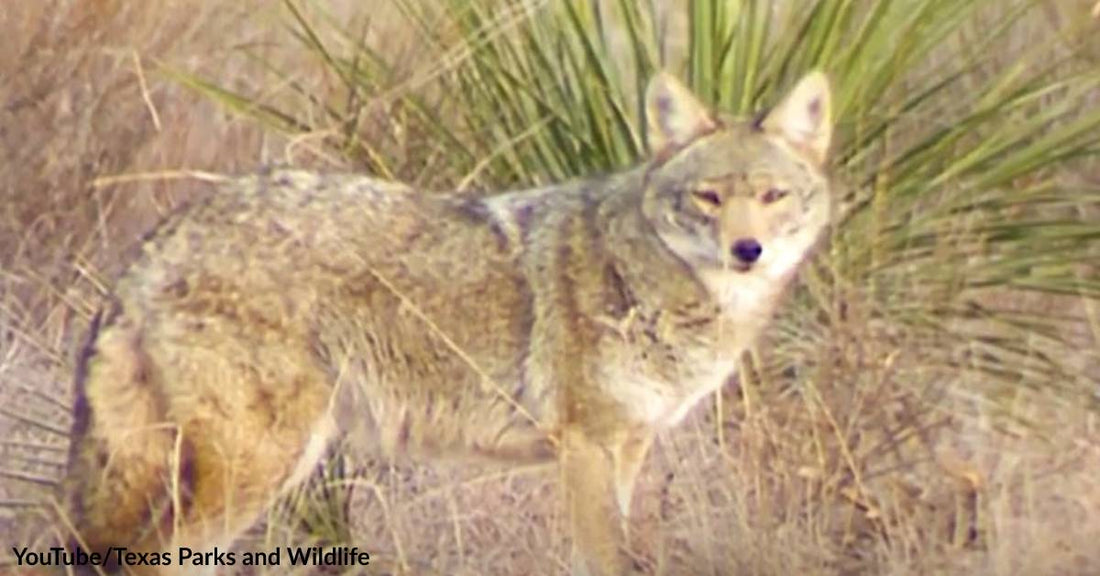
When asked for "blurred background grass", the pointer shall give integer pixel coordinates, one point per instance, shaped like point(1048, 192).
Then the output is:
point(925, 403)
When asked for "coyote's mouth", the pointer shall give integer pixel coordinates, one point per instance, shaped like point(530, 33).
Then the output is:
point(739, 267)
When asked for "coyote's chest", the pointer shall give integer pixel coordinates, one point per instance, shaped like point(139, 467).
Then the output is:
point(664, 403)
point(663, 363)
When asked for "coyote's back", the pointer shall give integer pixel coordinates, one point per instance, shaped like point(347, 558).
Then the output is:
point(570, 322)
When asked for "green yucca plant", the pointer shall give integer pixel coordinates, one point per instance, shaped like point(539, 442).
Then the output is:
point(955, 148)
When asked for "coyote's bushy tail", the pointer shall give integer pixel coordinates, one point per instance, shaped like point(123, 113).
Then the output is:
point(123, 470)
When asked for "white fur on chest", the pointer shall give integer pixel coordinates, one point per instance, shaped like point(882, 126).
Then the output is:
point(665, 404)
point(709, 375)
point(746, 301)
point(743, 297)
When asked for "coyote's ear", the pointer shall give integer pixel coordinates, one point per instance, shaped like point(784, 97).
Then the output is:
point(673, 115)
point(804, 118)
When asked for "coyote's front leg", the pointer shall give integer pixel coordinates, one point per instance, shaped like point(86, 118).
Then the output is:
point(599, 481)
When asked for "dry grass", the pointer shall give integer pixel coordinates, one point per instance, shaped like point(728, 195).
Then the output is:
point(862, 463)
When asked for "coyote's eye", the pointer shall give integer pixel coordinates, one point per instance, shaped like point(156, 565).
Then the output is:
point(707, 199)
point(773, 195)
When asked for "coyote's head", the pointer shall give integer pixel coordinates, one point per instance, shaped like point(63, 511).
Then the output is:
point(751, 197)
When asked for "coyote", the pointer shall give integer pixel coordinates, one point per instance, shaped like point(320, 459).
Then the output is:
point(569, 322)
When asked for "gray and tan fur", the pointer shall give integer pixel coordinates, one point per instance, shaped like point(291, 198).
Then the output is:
point(571, 322)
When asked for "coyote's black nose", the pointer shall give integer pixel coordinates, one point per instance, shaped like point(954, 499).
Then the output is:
point(747, 250)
